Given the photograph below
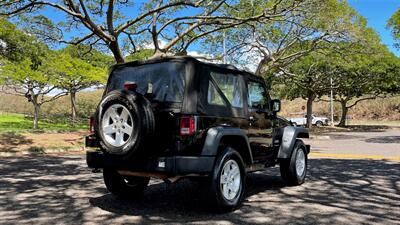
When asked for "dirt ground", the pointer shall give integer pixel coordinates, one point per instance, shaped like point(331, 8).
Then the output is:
point(40, 142)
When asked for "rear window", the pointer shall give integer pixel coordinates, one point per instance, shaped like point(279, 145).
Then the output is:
point(163, 81)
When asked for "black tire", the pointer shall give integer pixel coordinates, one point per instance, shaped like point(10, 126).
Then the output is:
point(288, 167)
point(215, 194)
point(124, 187)
point(319, 123)
point(143, 122)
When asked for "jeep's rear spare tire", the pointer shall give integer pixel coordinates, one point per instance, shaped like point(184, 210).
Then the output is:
point(125, 123)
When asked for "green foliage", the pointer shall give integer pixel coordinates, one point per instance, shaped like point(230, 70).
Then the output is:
point(89, 55)
point(308, 77)
point(142, 54)
point(394, 24)
point(361, 74)
point(15, 45)
point(26, 75)
point(73, 74)
point(19, 122)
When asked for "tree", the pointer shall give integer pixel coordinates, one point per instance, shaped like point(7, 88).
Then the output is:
point(270, 45)
point(24, 78)
point(394, 24)
point(73, 75)
point(22, 71)
point(110, 24)
point(307, 78)
point(359, 77)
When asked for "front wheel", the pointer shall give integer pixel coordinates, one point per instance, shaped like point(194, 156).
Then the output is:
point(228, 181)
point(294, 170)
point(124, 186)
point(319, 123)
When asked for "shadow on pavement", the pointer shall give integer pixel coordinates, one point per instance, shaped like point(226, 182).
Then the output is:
point(384, 140)
point(351, 128)
point(345, 136)
point(63, 190)
point(10, 141)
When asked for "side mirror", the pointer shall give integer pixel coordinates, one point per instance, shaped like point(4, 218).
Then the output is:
point(276, 105)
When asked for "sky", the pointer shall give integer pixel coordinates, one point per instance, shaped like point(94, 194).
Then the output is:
point(377, 13)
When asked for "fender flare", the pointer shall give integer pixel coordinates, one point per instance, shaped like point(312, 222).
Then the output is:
point(289, 136)
point(214, 136)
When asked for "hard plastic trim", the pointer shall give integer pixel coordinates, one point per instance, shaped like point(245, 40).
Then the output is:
point(289, 136)
point(214, 136)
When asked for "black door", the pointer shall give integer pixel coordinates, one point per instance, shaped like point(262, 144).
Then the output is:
point(260, 127)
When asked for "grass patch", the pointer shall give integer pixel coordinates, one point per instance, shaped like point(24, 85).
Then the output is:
point(19, 123)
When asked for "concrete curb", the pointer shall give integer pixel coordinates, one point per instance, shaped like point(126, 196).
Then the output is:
point(320, 137)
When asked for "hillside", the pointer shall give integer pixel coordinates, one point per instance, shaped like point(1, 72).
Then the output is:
point(86, 103)
point(377, 109)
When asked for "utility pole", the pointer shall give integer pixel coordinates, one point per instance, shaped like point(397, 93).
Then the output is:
point(332, 123)
point(223, 46)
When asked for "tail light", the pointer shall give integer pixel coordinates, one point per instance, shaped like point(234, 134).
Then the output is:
point(130, 86)
point(91, 124)
point(188, 126)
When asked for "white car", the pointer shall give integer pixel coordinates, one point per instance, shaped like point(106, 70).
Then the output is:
point(316, 120)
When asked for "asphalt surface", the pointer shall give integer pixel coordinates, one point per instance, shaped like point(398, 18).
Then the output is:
point(375, 143)
point(62, 190)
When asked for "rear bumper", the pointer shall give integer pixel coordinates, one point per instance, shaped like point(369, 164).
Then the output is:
point(91, 141)
point(173, 165)
point(308, 148)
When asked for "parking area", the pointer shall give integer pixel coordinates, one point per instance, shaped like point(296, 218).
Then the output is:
point(347, 190)
point(371, 143)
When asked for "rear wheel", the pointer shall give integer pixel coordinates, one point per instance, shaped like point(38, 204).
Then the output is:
point(117, 125)
point(294, 170)
point(228, 181)
point(124, 186)
point(319, 123)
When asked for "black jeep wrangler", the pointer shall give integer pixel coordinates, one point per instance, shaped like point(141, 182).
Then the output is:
point(177, 117)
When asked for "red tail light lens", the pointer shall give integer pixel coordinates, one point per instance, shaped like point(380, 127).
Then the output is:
point(187, 126)
point(91, 124)
point(130, 86)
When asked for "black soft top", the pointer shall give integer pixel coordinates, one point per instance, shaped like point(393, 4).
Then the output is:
point(185, 59)
point(196, 79)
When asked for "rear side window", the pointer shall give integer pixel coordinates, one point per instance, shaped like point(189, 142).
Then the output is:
point(213, 97)
point(230, 86)
point(164, 81)
point(257, 96)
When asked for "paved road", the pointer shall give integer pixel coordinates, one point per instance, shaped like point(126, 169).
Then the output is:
point(61, 190)
point(374, 144)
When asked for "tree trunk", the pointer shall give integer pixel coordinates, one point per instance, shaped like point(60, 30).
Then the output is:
point(114, 47)
point(343, 117)
point(36, 115)
point(73, 106)
point(310, 100)
point(260, 67)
